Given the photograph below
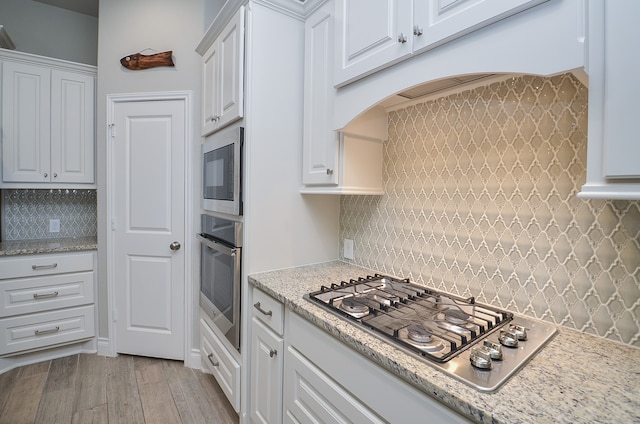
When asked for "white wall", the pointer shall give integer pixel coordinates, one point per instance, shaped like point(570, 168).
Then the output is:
point(128, 27)
point(45, 30)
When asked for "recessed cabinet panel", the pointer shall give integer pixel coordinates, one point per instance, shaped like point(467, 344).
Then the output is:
point(48, 115)
point(223, 77)
point(370, 34)
point(622, 89)
point(436, 21)
point(26, 94)
point(72, 129)
point(266, 374)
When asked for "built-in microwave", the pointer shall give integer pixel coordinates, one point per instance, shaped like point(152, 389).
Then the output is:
point(222, 171)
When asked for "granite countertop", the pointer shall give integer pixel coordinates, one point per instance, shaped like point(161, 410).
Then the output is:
point(576, 378)
point(53, 245)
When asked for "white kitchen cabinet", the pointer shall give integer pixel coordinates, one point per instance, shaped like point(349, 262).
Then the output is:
point(223, 77)
point(267, 359)
point(46, 301)
point(326, 381)
point(48, 115)
point(613, 168)
point(371, 35)
point(333, 162)
point(218, 360)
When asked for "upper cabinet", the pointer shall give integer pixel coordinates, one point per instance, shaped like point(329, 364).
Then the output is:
point(223, 77)
point(346, 162)
point(613, 168)
point(48, 115)
point(371, 35)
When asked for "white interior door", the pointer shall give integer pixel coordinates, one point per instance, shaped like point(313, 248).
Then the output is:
point(148, 213)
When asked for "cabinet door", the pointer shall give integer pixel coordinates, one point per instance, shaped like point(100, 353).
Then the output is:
point(370, 34)
point(622, 58)
point(231, 64)
point(266, 374)
point(25, 123)
point(72, 128)
point(436, 21)
point(320, 142)
point(210, 82)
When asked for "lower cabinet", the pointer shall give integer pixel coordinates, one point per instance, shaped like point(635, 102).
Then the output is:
point(266, 374)
point(220, 362)
point(46, 301)
point(319, 379)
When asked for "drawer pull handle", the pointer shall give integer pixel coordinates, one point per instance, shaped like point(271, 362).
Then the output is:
point(214, 363)
point(51, 330)
point(50, 266)
point(273, 353)
point(44, 295)
point(262, 311)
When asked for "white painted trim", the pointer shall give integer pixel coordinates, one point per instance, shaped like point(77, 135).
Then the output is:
point(34, 59)
point(108, 345)
point(20, 360)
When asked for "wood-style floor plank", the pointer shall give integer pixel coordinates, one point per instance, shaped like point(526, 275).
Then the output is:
point(91, 389)
point(123, 399)
point(95, 415)
point(22, 405)
point(157, 402)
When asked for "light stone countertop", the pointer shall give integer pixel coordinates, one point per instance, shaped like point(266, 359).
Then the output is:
point(53, 245)
point(576, 378)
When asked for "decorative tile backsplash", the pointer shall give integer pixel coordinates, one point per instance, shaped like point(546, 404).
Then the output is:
point(480, 200)
point(26, 213)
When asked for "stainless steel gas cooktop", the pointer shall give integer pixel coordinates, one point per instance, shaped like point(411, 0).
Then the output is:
point(478, 344)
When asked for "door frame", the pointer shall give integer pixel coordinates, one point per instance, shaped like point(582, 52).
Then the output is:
point(191, 356)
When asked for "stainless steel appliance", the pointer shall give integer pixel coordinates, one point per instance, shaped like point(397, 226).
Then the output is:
point(221, 255)
point(478, 344)
point(222, 171)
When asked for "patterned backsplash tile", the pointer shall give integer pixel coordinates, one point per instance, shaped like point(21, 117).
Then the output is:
point(480, 200)
point(26, 213)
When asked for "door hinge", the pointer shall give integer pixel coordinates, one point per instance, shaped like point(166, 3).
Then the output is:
point(112, 129)
point(115, 314)
point(113, 224)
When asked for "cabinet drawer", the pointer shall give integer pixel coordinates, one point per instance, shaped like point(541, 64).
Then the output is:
point(268, 310)
point(312, 396)
point(34, 331)
point(34, 265)
point(39, 294)
point(218, 361)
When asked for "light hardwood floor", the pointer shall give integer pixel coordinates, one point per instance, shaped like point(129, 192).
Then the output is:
point(91, 389)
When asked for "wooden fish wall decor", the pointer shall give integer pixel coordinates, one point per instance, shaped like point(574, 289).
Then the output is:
point(139, 61)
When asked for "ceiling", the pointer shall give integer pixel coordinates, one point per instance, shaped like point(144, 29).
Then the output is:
point(86, 7)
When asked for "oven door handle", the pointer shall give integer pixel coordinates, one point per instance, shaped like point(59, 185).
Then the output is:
point(218, 247)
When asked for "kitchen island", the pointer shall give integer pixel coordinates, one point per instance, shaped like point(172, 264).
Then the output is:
point(576, 378)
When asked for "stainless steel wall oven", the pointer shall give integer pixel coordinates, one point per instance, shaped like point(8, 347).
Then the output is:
point(221, 256)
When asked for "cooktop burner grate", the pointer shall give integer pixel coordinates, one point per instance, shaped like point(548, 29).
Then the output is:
point(458, 335)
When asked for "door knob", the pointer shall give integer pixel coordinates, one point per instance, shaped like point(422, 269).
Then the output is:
point(174, 246)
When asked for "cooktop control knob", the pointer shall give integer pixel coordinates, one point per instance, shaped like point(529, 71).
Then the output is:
point(519, 331)
point(508, 338)
point(494, 349)
point(480, 358)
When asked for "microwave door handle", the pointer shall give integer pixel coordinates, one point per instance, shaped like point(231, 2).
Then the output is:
point(217, 246)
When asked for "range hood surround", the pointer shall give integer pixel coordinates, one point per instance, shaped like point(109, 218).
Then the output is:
point(546, 40)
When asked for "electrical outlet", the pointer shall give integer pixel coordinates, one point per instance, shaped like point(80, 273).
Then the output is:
point(348, 249)
point(54, 225)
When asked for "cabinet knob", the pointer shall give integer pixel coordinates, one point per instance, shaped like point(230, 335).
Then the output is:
point(46, 175)
point(273, 353)
point(402, 38)
point(55, 175)
point(417, 31)
point(174, 246)
point(329, 171)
